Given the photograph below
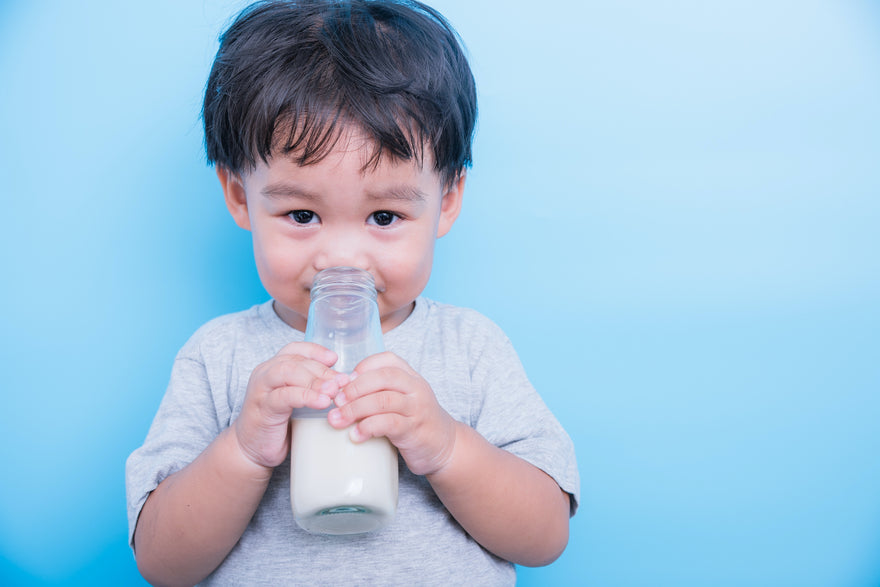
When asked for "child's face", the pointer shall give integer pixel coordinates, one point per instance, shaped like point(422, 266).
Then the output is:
point(334, 212)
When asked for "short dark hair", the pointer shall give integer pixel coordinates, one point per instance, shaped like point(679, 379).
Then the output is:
point(290, 76)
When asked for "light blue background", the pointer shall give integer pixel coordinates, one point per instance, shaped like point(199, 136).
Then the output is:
point(673, 212)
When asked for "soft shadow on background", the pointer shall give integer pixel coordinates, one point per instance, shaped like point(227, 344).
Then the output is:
point(673, 213)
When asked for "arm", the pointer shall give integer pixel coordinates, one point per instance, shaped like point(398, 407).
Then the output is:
point(510, 507)
point(192, 520)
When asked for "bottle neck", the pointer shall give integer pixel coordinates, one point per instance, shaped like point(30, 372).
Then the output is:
point(344, 317)
point(345, 281)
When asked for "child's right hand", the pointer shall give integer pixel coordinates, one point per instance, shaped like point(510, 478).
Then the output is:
point(299, 376)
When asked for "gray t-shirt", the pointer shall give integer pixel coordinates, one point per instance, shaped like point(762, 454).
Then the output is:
point(476, 376)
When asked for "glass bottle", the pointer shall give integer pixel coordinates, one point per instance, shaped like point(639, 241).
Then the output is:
point(338, 486)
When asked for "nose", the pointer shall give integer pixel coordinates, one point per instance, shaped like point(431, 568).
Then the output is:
point(341, 248)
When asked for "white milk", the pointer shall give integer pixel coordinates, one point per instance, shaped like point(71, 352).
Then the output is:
point(338, 486)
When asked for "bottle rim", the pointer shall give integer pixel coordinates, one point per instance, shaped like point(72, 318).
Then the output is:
point(343, 281)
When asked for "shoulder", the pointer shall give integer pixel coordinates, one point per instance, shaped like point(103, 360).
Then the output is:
point(226, 331)
point(458, 320)
point(446, 331)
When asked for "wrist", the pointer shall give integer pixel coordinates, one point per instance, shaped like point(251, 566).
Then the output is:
point(445, 459)
point(243, 462)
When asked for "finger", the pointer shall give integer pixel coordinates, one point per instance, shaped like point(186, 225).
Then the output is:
point(276, 405)
point(279, 408)
point(310, 350)
point(372, 381)
point(376, 426)
point(286, 399)
point(291, 382)
point(382, 360)
point(382, 402)
point(296, 371)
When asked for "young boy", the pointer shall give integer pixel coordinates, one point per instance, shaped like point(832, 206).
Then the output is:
point(341, 131)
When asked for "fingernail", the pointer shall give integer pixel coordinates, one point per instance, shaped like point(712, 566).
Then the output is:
point(340, 399)
point(356, 435)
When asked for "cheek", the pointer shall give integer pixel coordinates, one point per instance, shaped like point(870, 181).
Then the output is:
point(411, 266)
point(262, 255)
point(273, 264)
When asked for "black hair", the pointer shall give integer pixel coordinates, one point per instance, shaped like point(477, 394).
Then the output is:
point(290, 76)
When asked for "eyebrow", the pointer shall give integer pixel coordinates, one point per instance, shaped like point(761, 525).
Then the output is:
point(281, 191)
point(399, 192)
point(403, 192)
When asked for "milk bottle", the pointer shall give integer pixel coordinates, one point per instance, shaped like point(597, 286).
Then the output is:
point(337, 486)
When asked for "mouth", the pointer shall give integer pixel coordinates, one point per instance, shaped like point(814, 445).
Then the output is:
point(307, 286)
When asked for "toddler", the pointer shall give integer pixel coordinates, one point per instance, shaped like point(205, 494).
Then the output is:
point(341, 134)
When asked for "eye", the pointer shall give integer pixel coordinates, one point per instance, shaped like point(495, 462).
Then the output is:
point(383, 218)
point(303, 216)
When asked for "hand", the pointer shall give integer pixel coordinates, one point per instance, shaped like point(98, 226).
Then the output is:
point(298, 376)
point(386, 397)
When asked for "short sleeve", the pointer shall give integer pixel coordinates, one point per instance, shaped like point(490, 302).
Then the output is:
point(513, 416)
point(185, 424)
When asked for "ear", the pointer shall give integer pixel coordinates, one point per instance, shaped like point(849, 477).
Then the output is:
point(236, 198)
point(450, 205)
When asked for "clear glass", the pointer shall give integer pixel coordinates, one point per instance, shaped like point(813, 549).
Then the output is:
point(338, 486)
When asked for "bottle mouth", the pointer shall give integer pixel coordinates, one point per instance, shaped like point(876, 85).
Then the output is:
point(343, 281)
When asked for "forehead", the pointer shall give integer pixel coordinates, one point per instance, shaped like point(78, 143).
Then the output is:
point(308, 140)
point(349, 165)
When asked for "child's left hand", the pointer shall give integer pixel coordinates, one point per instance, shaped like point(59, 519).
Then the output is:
point(386, 397)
